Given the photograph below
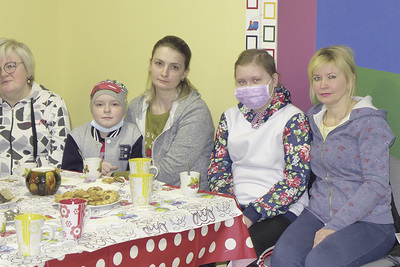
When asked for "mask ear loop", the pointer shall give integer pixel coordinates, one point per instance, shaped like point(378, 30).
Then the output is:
point(272, 94)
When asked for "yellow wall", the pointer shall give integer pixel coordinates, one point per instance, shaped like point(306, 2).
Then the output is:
point(78, 43)
point(37, 24)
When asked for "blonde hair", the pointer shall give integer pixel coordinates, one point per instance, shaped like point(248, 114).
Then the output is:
point(7, 46)
point(339, 55)
point(185, 86)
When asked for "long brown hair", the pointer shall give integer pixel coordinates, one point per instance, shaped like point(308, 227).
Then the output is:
point(179, 45)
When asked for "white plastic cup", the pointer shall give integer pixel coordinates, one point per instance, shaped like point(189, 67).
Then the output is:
point(21, 170)
point(3, 223)
point(92, 168)
point(74, 216)
point(190, 183)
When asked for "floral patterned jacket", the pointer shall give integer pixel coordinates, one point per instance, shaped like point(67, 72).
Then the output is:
point(296, 140)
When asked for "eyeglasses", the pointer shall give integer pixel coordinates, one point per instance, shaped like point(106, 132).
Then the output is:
point(10, 67)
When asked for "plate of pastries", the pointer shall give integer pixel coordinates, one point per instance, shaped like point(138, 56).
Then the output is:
point(96, 195)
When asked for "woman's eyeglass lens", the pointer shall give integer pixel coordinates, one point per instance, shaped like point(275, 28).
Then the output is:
point(10, 67)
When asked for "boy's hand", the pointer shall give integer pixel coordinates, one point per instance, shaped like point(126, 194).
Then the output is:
point(107, 168)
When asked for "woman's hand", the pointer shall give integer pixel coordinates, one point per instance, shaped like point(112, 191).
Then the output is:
point(107, 168)
point(247, 221)
point(321, 235)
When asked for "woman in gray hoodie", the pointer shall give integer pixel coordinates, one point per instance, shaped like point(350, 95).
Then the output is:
point(175, 122)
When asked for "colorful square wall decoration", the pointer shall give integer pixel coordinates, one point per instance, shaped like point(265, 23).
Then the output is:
point(261, 25)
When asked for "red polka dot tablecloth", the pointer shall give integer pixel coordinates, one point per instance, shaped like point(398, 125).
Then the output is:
point(173, 231)
point(211, 243)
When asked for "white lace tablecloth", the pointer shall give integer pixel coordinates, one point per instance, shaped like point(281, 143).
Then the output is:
point(170, 212)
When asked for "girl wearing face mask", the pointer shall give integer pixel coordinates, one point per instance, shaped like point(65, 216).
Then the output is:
point(261, 152)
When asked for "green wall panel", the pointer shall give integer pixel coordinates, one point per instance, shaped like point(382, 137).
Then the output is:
point(384, 88)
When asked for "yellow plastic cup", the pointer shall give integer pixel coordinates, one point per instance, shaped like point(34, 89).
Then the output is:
point(141, 185)
point(142, 165)
point(29, 228)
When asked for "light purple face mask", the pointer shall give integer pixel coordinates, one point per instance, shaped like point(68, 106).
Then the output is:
point(254, 97)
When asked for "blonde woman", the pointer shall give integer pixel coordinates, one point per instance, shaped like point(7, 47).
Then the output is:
point(34, 121)
point(348, 221)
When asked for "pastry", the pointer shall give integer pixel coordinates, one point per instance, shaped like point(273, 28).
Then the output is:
point(119, 179)
point(95, 196)
point(5, 195)
point(94, 189)
point(108, 180)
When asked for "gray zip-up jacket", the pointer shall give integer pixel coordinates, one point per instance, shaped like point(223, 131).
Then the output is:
point(351, 167)
point(188, 137)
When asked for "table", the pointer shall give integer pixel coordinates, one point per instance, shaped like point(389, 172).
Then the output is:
point(174, 230)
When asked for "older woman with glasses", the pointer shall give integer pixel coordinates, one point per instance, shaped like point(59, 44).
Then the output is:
point(34, 121)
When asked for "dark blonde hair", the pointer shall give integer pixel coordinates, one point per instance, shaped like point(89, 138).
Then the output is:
point(7, 46)
point(339, 55)
point(258, 56)
point(179, 45)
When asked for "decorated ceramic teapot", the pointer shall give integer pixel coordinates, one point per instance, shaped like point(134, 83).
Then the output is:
point(43, 181)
